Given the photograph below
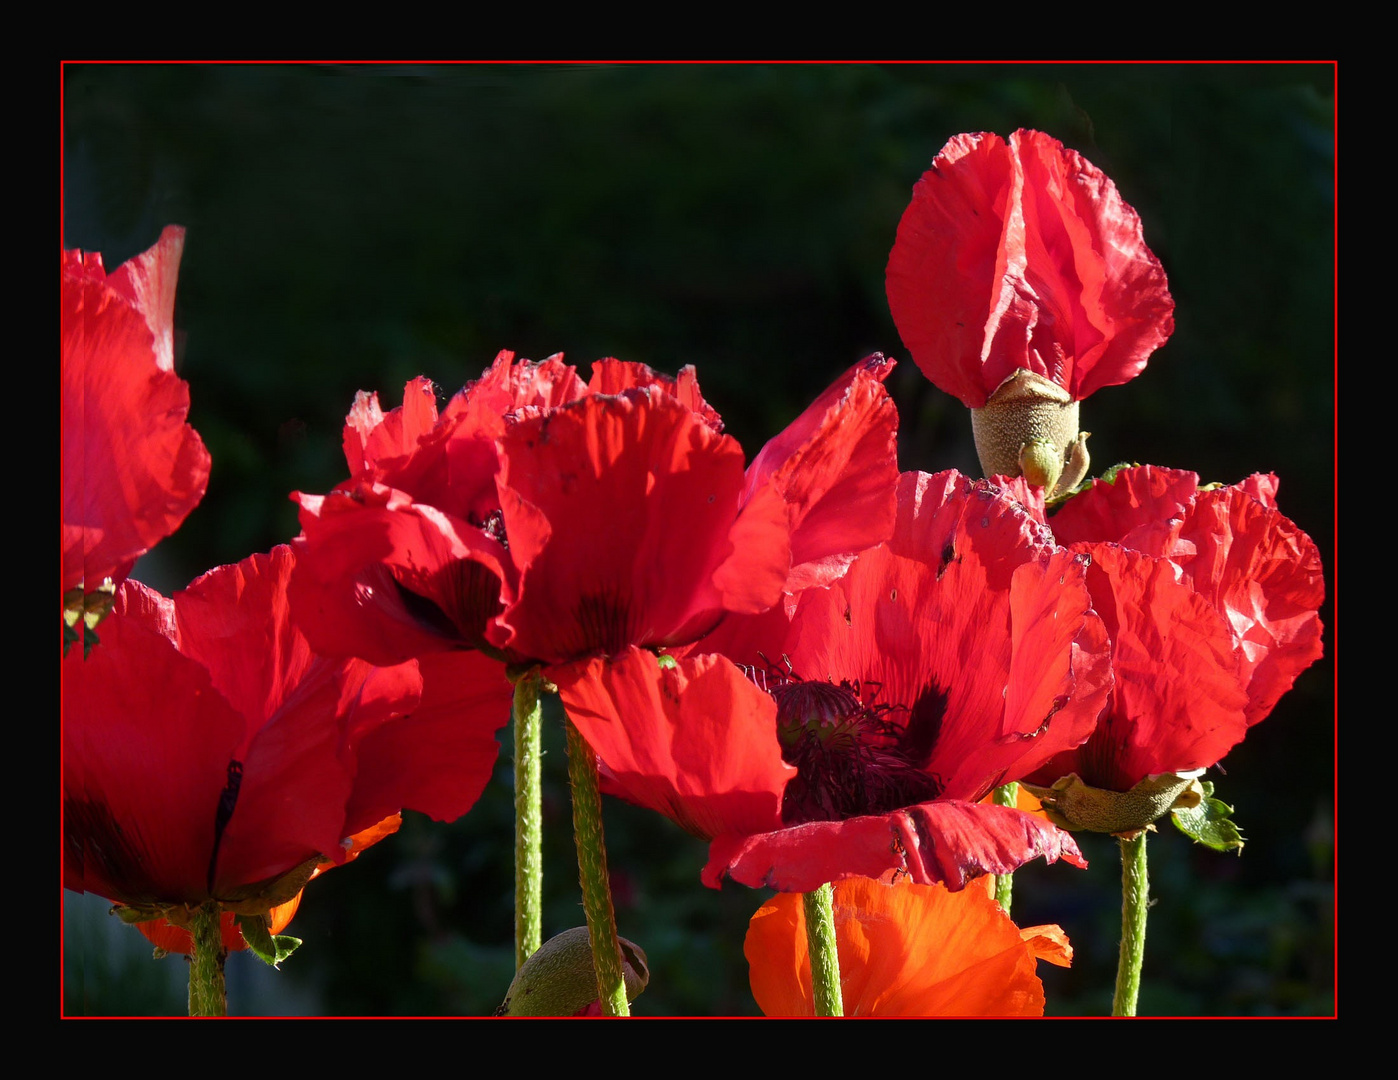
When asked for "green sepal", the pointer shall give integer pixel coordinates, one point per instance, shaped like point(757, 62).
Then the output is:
point(1208, 823)
point(133, 915)
point(270, 948)
point(1109, 477)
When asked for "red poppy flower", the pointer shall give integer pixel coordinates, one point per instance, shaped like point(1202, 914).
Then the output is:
point(905, 950)
point(1021, 255)
point(856, 738)
point(543, 520)
point(1211, 599)
point(209, 755)
point(132, 468)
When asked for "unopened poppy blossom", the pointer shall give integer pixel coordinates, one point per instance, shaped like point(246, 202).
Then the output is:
point(1021, 283)
point(132, 467)
point(542, 519)
point(210, 756)
point(905, 950)
point(857, 737)
point(1211, 599)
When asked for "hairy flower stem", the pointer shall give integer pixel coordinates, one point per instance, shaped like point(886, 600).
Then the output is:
point(207, 996)
point(1005, 795)
point(825, 956)
point(1135, 899)
point(592, 874)
point(529, 839)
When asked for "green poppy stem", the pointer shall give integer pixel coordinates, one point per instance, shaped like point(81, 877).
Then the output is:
point(529, 829)
point(1005, 795)
point(1135, 899)
point(592, 874)
point(207, 996)
point(825, 956)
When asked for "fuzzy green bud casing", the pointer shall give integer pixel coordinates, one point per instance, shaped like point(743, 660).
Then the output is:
point(559, 979)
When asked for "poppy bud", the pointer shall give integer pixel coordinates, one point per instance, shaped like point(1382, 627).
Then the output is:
point(559, 979)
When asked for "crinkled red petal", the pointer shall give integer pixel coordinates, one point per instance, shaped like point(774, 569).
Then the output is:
point(644, 495)
point(1022, 254)
point(949, 841)
point(975, 622)
point(1264, 575)
point(1178, 701)
point(835, 466)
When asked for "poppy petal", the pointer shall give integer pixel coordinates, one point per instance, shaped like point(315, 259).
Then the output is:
point(904, 950)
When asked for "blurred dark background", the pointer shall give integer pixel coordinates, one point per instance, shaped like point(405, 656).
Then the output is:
point(350, 227)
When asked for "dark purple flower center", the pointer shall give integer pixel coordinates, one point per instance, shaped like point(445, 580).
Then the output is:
point(853, 755)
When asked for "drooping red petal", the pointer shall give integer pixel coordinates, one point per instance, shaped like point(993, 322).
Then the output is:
point(132, 467)
point(696, 742)
point(643, 495)
point(904, 950)
point(835, 466)
point(1022, 254)
point(438, 759)
point(947, 841)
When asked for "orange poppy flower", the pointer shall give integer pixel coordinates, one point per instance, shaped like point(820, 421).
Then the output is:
point(905, 950)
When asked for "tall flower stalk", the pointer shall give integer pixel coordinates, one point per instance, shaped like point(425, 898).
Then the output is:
point(529, 825)
point(592, 873)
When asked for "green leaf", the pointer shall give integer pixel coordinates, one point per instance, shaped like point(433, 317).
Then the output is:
point(1208, 823)
point(269, 948)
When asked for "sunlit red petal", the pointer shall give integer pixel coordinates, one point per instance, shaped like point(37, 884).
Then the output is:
point(298, 768)
point(373, 439)
point(971, 618)
point(904, 950)
point(645, 494)
point(946, 842)
point(1178, 702)
point(1263, 574)
point(132, 467)
point(611, 376)
point(1141, 508)
point(697, 742)
point(835, 466)
point(1021, 254)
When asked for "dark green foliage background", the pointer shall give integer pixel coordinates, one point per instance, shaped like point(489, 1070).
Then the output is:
point(352, 227)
